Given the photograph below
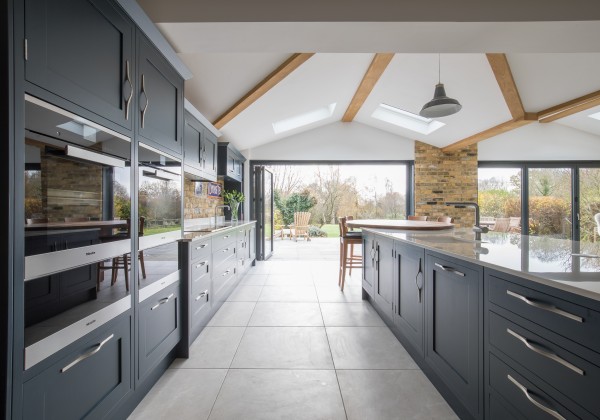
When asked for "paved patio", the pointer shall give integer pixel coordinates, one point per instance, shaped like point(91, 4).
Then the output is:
point(315, 249)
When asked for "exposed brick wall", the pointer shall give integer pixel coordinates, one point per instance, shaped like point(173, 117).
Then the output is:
point(198, 206)
point(441, 177)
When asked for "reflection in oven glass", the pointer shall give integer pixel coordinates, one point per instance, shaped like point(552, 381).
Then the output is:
point(157, 263)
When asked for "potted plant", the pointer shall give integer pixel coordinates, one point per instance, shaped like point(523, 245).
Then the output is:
point(233, 199)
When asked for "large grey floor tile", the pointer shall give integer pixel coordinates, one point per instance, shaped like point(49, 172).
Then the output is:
point(233, 314)
point(279, 394)
point(182, 394)
point(288, 294)
point(284, 348)
point(286, 314)
point(214, 348)
point(289, 280)
point(245, 294)
point(332, 293)
point(358, 314)
point(367, 348)
point(254, 280)
point(391, 395)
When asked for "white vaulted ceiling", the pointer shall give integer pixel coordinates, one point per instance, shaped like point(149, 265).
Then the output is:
point(228, 59)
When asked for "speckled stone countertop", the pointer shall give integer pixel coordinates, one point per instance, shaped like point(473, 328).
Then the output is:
point(193, 233)
point(567, 265)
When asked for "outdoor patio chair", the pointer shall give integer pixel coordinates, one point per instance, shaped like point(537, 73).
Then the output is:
point(514, 224)
point(421, 218)
point(502, 224)
point(301, 225)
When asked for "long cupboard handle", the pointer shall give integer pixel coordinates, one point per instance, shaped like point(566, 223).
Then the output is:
point(418, 283)
point(90, 353)
point(541, 406)
point(545, 306)
point(201, 295)
point(128, 80)
point(543, 352)
point(162, 301)
point(201, 246)
point(143, 91)
point(201, 264)
point(450, 270)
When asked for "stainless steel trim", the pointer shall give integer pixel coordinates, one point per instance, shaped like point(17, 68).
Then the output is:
point(25, 49)
point(543, 352)
point(151, 241)
point(94, 157)
point(88, 354)
point(160, 152)
point(201, 295)
point(162, 301)
point(450, 270)
point(541, 406)
point(157, 286)
point(54, 262)
point(143, 91)
point(128, 80)
point(46, 347)
point(77, 118)
point(545, 306)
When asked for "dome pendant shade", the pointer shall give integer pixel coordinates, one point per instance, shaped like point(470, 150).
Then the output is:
point(440, 105)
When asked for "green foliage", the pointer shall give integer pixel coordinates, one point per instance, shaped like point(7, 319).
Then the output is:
point(232, 195)
point(296, 202)
point(316, 232)
point(493, 202)
point(547, 215)
point(332, 231)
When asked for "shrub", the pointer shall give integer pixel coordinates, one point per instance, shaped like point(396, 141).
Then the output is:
point(493, 202)
point(547, 215)
point(316, 232)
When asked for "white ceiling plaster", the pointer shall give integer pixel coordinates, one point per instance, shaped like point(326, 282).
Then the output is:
point(582, 121)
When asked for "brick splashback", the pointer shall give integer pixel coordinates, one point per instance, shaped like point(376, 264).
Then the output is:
point(441, 177)
point(195, 206)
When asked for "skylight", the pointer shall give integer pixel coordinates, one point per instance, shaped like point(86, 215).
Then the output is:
point(405, 119)
point(304, 119)
point(595, 116)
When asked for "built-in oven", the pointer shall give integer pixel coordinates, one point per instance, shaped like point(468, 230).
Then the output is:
point(160, 224)
point(77, 189)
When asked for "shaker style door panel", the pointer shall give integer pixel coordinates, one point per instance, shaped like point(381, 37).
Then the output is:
point(82, 50)
point(160, 92)
point(192, 146)
point(209, 154)
point(409, 313)
point(385, 276)
point(369, 247)
point(454, 311)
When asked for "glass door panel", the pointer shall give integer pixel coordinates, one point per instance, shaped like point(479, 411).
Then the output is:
point(589, 203)
point(550, 202)
point(500, 198)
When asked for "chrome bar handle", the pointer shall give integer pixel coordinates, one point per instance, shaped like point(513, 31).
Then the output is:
point(545, 306)
point(201, 295)
point(162, 301)
point(201, 264)
point(90, 353)
point(541, 406)
point(543, 352)
point(201, 246)
point(128, 80)
point(450, 270)
point(143, 92)
point(226, 272)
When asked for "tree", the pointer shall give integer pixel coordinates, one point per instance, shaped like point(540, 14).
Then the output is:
point(287, 179)
point(297, 202)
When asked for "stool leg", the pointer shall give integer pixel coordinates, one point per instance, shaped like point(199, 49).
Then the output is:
point(341, 262)
point(345, 262)
point(126, 272)
point(143, 266)
point(351, 259)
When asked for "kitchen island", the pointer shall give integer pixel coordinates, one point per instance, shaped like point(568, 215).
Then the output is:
point(505, 327)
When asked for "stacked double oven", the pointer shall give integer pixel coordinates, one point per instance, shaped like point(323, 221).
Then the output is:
point(81, 237)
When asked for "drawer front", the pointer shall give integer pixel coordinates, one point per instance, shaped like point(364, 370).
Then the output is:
point(573, 321)
point(200, 285)
point(200, 268)
point(526, 398)
point(571, 375)
point(200, 307)
point(159, 327)
point(88, 382)
point(223, 254)
point(222, 278)
point(201, 249)
point(224, 240)
point(500, 410)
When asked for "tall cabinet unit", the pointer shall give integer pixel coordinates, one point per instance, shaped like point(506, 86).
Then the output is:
point(200, 150)
point(82, 352)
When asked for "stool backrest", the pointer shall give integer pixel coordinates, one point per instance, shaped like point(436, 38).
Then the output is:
point(445, 219)
point(343, 226)
point(422, 218)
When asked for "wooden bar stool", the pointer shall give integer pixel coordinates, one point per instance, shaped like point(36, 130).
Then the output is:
point(347, 259)
point(421, 218)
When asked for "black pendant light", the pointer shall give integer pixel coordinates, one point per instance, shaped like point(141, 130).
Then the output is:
point(440, 105)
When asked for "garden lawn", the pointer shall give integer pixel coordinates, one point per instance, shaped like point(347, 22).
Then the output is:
point(333, 231)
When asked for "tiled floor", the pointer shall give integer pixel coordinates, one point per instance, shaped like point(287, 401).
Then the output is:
point(289, 345)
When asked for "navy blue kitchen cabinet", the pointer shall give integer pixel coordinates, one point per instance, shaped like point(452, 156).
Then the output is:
point(231, 162)
point(200, 150)
point(454, 325)
point(385, 277)
point(83, 51)
point(369, 252)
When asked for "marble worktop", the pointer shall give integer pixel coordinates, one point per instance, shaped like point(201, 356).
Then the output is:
point(567, 265)
point(195, 232)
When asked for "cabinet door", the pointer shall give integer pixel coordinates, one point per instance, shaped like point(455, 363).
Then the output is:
point(369, 252)
point(209, 154)
point(454, 310)
point(192, 145)
point(88, 382)
point(160, 92)
point(384, 276)
point(159, 327)
point(82, 50)
point(410, 298)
